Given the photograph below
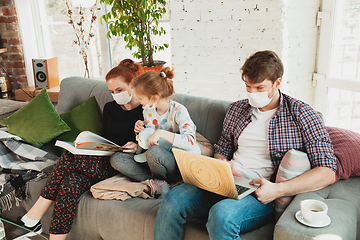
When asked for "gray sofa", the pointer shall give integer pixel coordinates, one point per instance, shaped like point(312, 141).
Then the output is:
point(134, 218)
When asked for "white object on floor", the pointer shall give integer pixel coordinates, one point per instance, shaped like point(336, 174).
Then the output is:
point(22, 238)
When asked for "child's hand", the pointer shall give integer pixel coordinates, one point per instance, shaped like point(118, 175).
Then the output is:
point(163, 134)
point(155, 137)
point(139, 125)
point(131, 145)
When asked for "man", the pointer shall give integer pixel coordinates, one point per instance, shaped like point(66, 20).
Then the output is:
point(257, 132)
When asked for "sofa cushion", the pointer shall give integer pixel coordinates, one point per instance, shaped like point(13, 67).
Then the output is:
point(205, 145)
point(135, 219)
point(347, 151)
point(292, 165)
point(37, 122)
point(84, 117)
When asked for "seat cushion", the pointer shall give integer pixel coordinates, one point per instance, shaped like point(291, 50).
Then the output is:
point(342, 199)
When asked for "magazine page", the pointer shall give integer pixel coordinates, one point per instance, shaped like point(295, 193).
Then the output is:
point(87, 136)
point(70, 146)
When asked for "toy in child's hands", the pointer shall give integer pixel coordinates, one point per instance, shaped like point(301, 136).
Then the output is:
point(144, 136)
point(143, 142)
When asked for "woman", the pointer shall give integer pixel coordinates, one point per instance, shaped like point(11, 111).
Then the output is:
point(170, 126)
point(74, 174)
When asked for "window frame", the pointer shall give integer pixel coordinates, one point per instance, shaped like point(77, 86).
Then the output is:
point(322, 79)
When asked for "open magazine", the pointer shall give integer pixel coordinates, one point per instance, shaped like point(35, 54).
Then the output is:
point(88, 143)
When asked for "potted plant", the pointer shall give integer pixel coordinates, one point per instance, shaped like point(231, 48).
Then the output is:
point(137, 21)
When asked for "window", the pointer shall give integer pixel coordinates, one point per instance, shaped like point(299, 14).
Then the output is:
point(46, 33)
point(338, 78)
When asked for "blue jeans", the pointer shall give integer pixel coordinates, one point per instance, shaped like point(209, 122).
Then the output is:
point(226, 218)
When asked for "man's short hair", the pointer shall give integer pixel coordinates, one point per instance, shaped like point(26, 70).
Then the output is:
point(262, 65)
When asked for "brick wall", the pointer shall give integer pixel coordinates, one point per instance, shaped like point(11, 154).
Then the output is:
point(211, 39)
point(13, 59)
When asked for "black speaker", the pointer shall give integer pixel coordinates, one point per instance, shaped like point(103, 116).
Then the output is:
point(46, 72)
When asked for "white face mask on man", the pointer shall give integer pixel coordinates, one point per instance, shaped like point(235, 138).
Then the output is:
point(122, 98)
point(260, 99)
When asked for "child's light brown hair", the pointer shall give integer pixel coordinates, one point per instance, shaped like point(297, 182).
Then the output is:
point(153, 83)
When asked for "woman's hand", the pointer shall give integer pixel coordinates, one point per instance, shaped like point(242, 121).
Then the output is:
point(131, 145)
point(139, 125)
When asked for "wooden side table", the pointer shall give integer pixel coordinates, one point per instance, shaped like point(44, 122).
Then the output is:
point(32, 91)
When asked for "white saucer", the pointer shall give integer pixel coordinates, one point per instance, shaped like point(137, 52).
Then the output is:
point(323, 223)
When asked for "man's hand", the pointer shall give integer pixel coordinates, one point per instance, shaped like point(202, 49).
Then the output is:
point(234, 173)
point(139, 125)
point(267, 191)
point(131, 145)
point(312, 180)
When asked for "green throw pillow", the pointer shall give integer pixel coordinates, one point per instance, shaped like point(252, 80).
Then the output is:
point(37, 122)
point(84, 117)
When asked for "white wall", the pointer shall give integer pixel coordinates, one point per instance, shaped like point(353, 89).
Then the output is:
point(300, 48)
point(211, 39)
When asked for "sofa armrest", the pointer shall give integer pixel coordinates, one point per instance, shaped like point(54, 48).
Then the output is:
point(343, 216)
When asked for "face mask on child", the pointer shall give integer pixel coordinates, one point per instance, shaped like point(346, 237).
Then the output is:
point(147, 107)
point(260, 99)
point(122, 98)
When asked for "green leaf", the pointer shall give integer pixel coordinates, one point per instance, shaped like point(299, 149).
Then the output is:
point(136, 21)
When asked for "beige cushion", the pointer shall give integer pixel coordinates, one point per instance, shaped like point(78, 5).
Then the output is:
point(206, 147)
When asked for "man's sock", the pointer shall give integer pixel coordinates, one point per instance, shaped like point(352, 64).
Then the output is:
point(29, 222)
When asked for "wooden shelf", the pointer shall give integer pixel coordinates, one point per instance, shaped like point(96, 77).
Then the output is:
point(21, 96)
point(3, 50)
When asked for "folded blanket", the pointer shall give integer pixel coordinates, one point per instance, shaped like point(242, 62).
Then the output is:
point(16, 154)
point(19, 163)
point(121, 187)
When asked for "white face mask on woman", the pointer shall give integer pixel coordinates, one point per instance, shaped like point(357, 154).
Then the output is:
point(260, 99)
point(122, 98)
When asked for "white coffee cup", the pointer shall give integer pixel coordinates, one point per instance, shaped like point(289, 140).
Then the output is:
point(313, 211)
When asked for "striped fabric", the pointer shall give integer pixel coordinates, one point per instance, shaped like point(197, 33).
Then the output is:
point(292, 165)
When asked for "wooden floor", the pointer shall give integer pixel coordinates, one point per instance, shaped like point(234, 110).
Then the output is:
point(13, 232)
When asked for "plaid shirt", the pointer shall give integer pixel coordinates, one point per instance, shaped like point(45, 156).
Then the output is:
point(295, 126)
